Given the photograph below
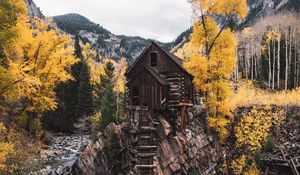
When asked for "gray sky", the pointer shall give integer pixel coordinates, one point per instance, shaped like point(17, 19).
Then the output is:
point(162, 20)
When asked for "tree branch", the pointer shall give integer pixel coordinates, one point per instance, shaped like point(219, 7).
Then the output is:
point(6, 87)
point(218, 35)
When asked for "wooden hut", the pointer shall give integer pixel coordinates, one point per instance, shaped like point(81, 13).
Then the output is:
point(157, 85)
point(157, 80)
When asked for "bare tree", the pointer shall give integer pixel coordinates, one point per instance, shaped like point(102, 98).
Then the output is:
point(286, 62)
point(278, 38)
point(274, 60)
point(265, 42)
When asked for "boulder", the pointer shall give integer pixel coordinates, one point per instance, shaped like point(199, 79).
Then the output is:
point(197, 110)
point(93, 160)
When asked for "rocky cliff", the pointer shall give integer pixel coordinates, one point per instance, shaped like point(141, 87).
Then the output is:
point(33, 10)
point(93, 160)
point(195, 151)
point(192, 151)
point(260, 8)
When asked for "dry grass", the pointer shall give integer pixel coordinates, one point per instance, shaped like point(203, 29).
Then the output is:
point(248, 95)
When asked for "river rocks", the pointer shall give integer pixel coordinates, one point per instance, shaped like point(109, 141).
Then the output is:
point(61, 153)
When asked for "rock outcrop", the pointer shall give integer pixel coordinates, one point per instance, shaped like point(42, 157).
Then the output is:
point(93, 160)
point(33, 10)
point(190, 151)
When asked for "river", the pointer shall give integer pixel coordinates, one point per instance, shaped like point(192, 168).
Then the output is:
point(61, 153)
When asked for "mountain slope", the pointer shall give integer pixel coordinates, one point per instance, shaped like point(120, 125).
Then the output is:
point(105, 43)
point(257, 10)
point(33, 10)
point(261, 8)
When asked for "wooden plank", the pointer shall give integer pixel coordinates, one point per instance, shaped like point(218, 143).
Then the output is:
point(283, 155)
point(186, 104)
point(145, 166)
point(145, 154)
point(296, 172)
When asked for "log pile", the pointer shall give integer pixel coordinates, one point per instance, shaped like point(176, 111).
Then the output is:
point(286, 158)
point(284, 162)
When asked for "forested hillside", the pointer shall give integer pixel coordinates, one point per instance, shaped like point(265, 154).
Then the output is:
point(102, 41)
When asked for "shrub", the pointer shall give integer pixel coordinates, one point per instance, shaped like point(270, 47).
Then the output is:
point(269, 145)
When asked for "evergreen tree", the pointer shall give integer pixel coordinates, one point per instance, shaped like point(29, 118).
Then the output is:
point(107, 97)
point(85, 104)
point(75, 96)
point(113, 150)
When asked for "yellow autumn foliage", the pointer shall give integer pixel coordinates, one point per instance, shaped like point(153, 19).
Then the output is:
point(120, 70)
point(184, 51)
point(212, 58)
point(222, 7)
point(252, 170)
point(5, 148)
point(205, 35)
point(38, 60)
point(240, 167)
point(96, 68)
point(238, 164)
point(212, 77)
point(8, 91)
point(248, 95)
point(254, 127)
point(197, 66)
point(220, 125)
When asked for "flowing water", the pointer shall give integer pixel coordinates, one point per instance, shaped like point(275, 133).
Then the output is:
point(62, 152)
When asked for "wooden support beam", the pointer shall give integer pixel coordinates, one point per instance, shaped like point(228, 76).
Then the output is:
point(185, 104)
point(145, 166)
point(295, 170)
point(183, 118)
point(147, 147)
point(145, 154)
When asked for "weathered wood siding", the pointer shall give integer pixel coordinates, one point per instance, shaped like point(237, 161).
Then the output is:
point(151, 92)
point(164, 63)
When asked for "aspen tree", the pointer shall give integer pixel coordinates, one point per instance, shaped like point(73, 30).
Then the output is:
point(213, 62)
point(38, 59)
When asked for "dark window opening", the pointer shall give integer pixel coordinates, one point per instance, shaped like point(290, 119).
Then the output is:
point(135, 96)
point(153, 59)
